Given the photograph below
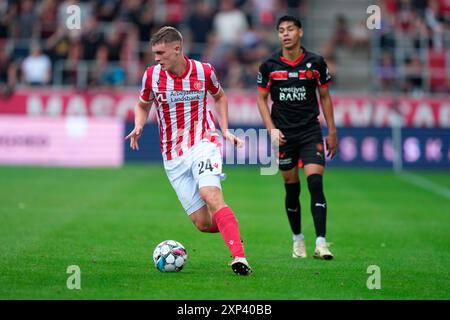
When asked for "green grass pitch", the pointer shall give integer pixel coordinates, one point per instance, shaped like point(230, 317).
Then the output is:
point(108, 221)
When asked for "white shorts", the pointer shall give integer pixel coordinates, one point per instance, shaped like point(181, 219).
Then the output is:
point(200, 166)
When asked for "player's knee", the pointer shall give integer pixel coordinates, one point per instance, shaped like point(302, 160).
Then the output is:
point(212, 197)
point(290, 180)
point(290, 176)
point(315, 183)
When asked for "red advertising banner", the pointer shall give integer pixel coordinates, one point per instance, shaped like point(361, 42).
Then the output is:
point(350, 110)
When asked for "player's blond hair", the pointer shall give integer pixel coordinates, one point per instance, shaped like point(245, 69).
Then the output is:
point(166, 34)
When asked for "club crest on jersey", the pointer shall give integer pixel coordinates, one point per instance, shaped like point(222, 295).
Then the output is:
point(198, 85)
point(309, 73)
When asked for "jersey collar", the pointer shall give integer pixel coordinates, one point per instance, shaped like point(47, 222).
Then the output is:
point(185, 72)
point(295, 62)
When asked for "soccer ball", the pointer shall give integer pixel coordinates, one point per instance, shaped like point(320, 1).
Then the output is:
point(169, 256)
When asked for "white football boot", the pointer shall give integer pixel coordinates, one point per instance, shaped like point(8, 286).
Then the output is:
point(240, 266)
point(299, 249)
point(323, 252)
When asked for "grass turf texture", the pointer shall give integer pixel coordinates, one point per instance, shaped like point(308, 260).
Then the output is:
point(108, 221)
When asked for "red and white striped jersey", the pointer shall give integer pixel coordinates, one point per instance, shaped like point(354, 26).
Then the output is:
point(184, 116)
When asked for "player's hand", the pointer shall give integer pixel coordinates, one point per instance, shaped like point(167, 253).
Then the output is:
point(134, 137)
point(233, 139)
point(331, 141)
point(278, 138)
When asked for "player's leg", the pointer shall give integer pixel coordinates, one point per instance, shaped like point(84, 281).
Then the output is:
point(289, 171)
point(207, 169)
point(183, 182)
point(203, 221)
point(313, 158)
point(225, 220)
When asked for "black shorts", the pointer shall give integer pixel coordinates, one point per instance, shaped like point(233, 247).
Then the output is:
point(304, 146)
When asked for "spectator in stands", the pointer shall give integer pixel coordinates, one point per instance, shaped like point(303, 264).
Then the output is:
point(36, 68)
point(6, 18)
point(342, 36)
point(106, 10)
point(8, 74)
point(26, 21)
point(405, 16)
point(91, 39)
point(140, 14)
point(58, 45)
point(114, 41)
point(360, 35)
point(104, 73)
point(386, 36)
point(229, 23)
point(413, 75)
point(387, 72)
point(432, 19)
point(70, 74)
point(200, 23)
point(48, 18)
point(264, 11)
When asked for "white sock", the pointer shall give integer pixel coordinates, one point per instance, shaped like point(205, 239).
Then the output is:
point(320, 241)
point(297, 237)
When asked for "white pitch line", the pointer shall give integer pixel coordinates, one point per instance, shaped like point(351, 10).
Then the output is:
point(425, 184)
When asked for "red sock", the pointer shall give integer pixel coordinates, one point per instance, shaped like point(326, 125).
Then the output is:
point(214, 228)
point(228, 227)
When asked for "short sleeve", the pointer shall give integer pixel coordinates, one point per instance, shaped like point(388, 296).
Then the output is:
point(212, 81)
point(146, 95)
point(262, 79)
point(324, 74)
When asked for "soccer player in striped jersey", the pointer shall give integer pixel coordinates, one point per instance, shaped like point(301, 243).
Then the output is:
point(292, 77)
point(189, 141)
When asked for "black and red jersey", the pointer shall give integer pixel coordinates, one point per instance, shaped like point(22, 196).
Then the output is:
point(292, 86)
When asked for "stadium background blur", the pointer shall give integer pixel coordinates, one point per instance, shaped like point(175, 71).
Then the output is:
point(408, 54)
point(67, 98)
point(400, 69)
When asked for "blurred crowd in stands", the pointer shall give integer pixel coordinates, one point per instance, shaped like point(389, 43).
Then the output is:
point(112, 46)
point(413, 44)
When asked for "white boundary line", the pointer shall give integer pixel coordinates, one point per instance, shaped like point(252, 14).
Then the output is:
point(425, 184)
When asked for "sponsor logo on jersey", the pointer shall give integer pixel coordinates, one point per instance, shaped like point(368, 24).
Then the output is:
point(279, 75)
point(178, 96)
point(259, 78)
point(292, 94)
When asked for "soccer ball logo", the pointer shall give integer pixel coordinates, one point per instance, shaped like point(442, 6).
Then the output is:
point(169, 256)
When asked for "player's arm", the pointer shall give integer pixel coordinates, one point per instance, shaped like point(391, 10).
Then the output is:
point(263, 107)
point(221, 103)
point(141, 112)
point(327, 108)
